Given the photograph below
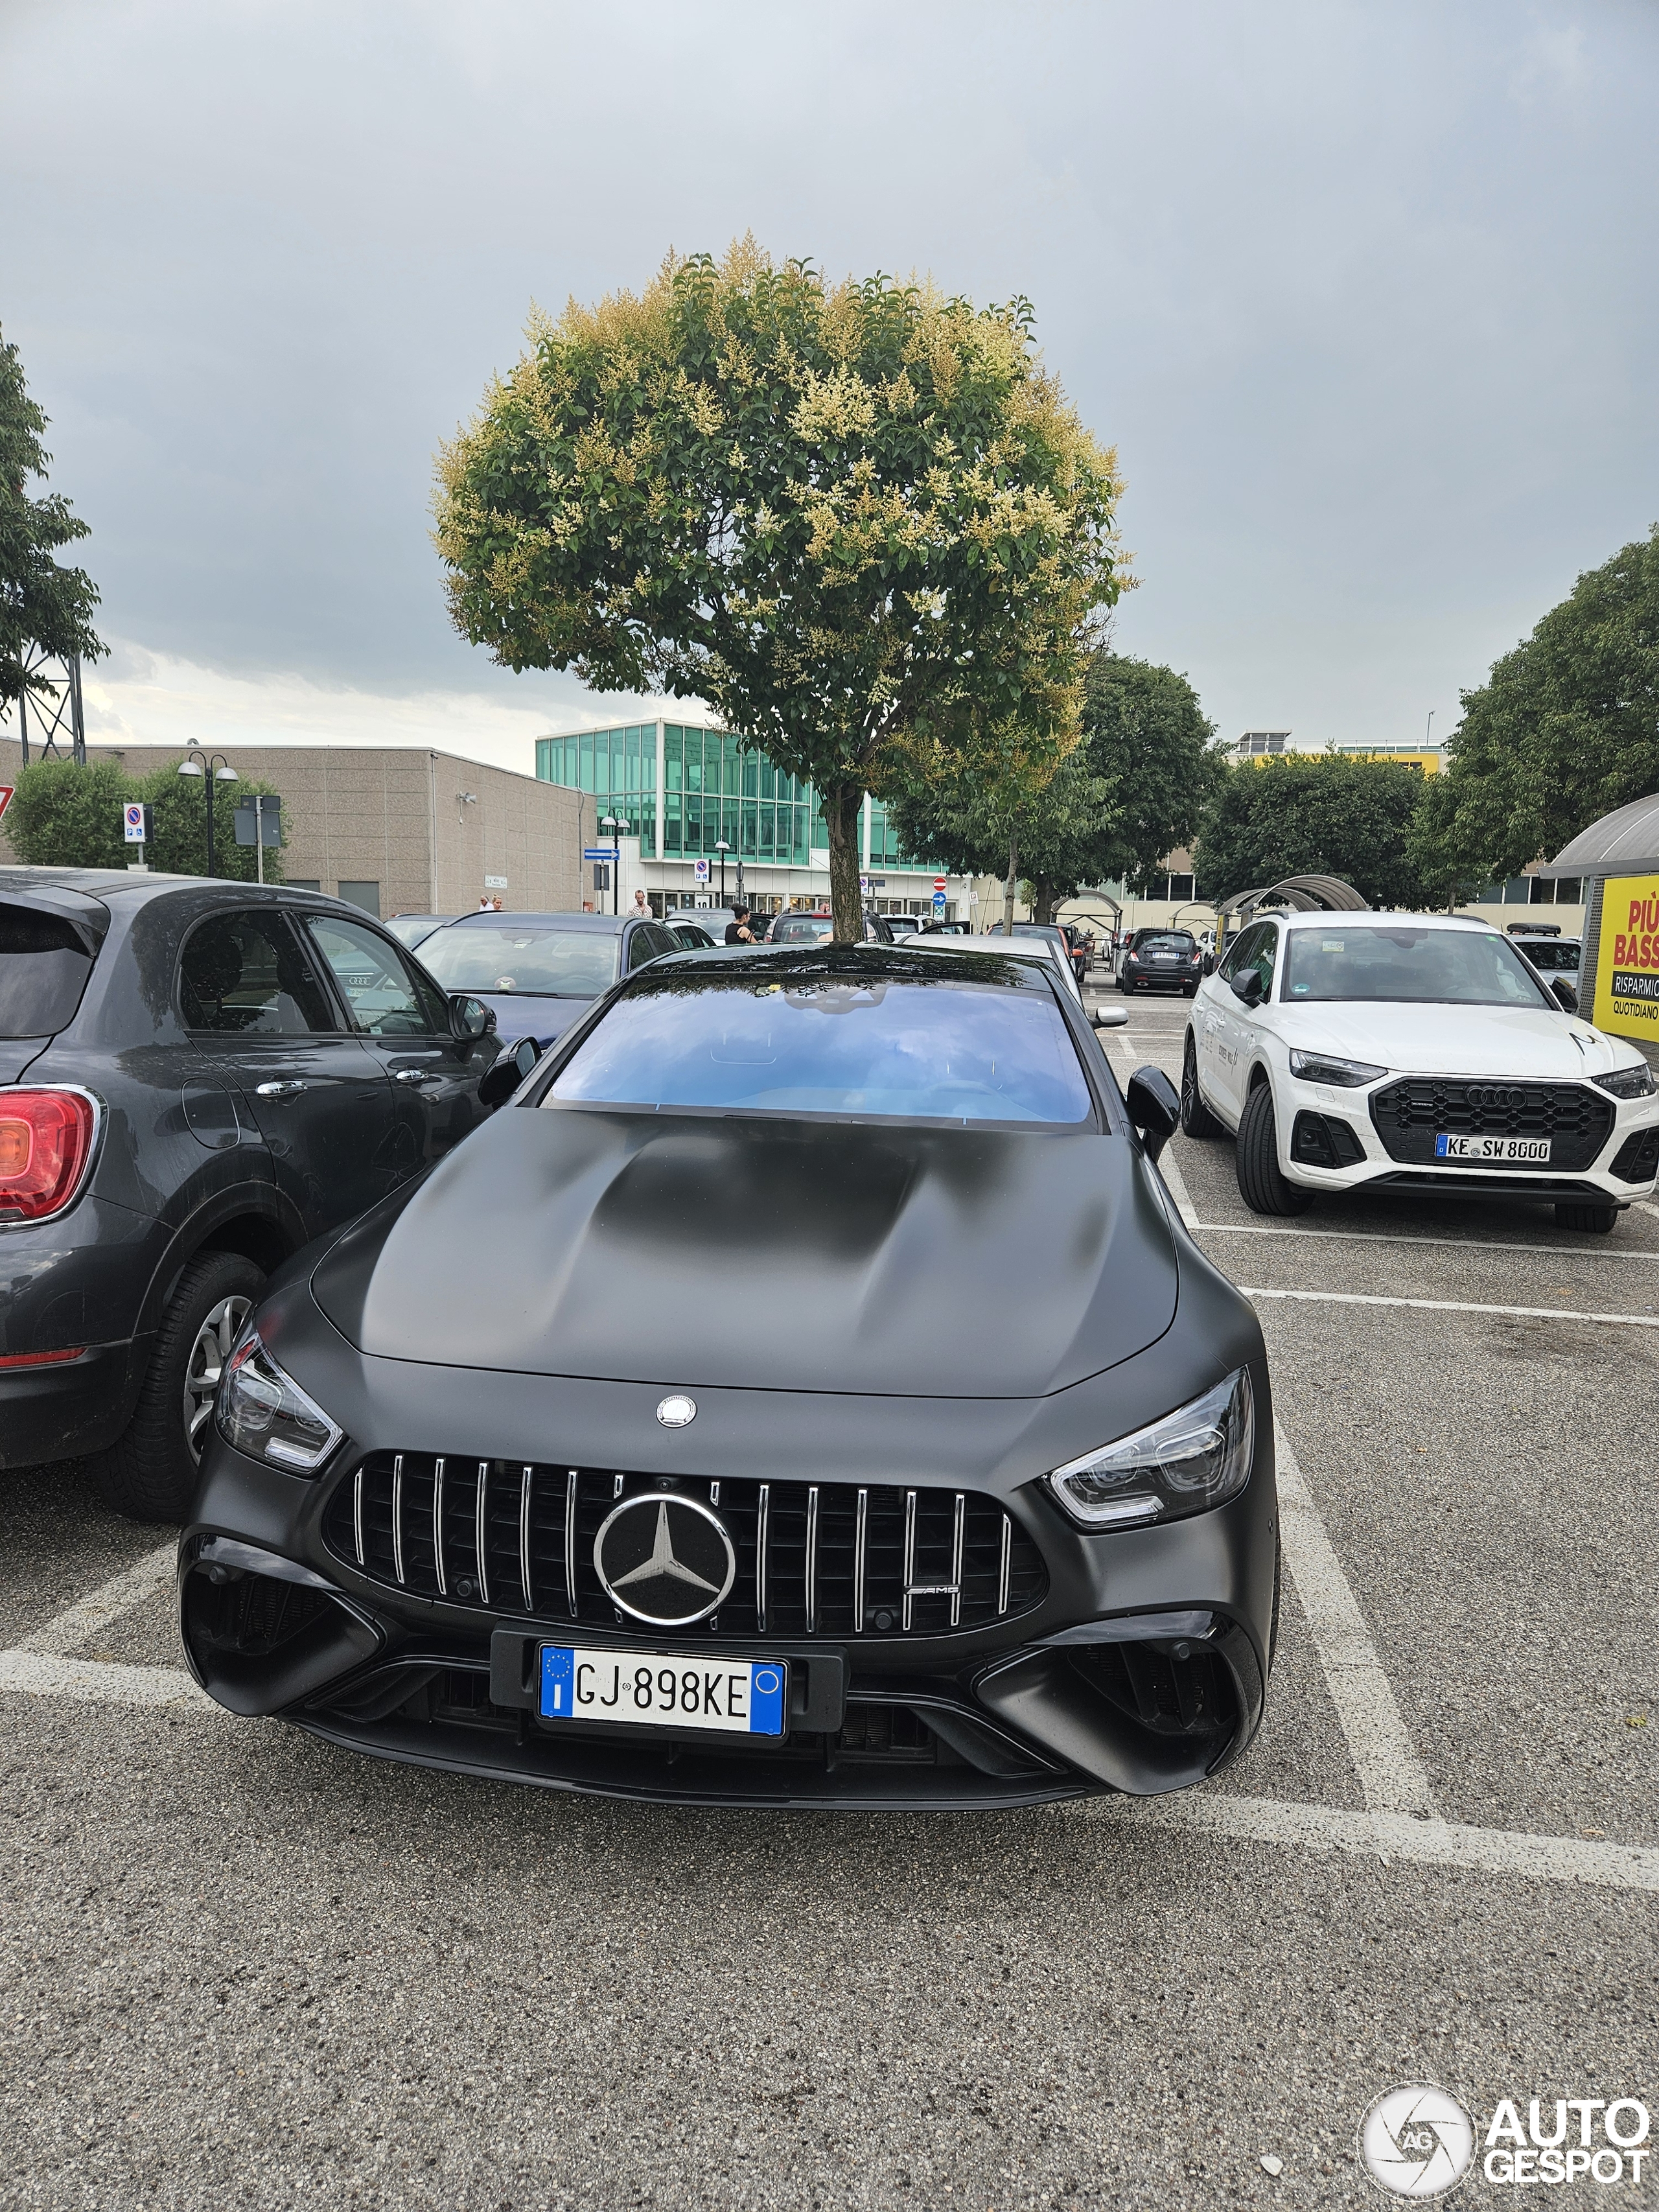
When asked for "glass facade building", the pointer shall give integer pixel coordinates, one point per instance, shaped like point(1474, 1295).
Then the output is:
point(682, 795)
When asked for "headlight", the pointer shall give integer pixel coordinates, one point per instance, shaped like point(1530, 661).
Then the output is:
point(1320, 1067)
point(266, 1414)
point(1628, 1082)
point(1187, 1463)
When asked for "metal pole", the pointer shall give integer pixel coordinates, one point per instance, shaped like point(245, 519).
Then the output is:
point(616, 865)
point(208, 779)
point(24, 721)
point(259, 835)
point(78, 727)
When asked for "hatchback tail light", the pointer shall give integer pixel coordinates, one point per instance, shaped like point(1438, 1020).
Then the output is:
point(46, 1145)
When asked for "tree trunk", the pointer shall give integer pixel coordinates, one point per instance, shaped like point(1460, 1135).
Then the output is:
point(1044, 899)
point(841, 815)
point(1013, 882)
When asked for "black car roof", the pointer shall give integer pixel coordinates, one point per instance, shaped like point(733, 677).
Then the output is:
point(973, 964)
point(598, 925)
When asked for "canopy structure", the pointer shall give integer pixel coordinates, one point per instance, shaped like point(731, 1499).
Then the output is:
point(1303, 894)
point(1623, 843)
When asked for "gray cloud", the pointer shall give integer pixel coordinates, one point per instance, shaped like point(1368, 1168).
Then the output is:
point(1364, 294)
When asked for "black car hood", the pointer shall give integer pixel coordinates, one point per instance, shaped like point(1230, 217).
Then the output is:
point(743, 1253)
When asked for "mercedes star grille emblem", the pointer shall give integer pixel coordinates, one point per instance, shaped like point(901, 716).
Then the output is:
point(664, 1559)
point(674, 1413)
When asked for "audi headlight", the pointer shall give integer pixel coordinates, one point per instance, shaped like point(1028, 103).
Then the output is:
point(1187, 1463)
point(1323, 1067)
point(265, 1413)
point(1628, 1082)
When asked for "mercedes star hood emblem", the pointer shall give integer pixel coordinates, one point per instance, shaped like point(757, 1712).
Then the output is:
point(664, 1559)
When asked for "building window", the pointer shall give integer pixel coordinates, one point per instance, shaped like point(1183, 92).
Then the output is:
point(367, 895)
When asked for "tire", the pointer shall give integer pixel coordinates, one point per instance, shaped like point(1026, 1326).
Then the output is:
point(1598, 1220)
point(150, 1472)
point(1261, 1185)
point(1196, 1119)
point(1122, 986)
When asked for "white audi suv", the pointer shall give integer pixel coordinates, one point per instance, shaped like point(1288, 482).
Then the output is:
point(1411, 1053)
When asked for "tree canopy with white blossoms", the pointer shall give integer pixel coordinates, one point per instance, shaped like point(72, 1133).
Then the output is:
point(860, 521)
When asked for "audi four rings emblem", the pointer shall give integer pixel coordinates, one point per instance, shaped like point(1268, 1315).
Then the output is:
point(664, 1559)
point(674, 1413)
point(1493, 1094)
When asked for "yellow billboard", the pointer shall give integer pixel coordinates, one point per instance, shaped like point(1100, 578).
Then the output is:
point(1627, 958)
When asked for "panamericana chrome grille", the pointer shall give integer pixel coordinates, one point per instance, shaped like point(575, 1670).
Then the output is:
point(813, 1558)
point(1408, 1113)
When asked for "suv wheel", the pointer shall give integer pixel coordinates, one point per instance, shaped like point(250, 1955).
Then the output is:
point(1597, 1219)
point(1196, 1119)
point(1261, 1185)
point(149, 1472)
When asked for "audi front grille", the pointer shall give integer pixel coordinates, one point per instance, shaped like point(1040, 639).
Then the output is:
point(1409, 1113)
point(813, 1558)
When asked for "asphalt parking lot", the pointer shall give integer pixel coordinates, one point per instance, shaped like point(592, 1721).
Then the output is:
point(242, 1968)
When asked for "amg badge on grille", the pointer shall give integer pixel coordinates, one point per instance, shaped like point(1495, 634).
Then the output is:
point(664, 1559)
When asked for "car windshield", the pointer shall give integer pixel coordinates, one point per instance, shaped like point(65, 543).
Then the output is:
point(858, 1045)
point(1167, 941)
point(802, 929)
point(1442, 967)
point(541, 961)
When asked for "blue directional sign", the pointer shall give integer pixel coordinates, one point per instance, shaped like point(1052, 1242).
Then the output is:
point(939, 901)
point(597, 852)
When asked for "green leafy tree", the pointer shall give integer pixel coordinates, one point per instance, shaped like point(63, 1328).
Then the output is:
point(64, 816)
point(859, 520)
point(43, 606)
point(1564, 729)
point(1132, 791)
point(69, 817)
point(1323, 814)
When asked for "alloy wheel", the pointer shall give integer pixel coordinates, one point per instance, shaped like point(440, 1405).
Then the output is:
point(218, 1332)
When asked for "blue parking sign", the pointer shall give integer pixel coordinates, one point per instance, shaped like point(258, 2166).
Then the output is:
point(939, 901)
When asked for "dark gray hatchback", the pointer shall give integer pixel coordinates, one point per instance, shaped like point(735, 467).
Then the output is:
point(196, 1078)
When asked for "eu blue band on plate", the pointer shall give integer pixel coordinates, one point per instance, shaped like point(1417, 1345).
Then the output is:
point(557, 1666)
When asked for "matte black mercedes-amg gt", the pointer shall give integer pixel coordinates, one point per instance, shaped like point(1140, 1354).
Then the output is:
point(804, 1392)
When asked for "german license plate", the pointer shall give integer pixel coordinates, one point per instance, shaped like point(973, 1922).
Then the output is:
point(1533, 1151)
point(649, 1689)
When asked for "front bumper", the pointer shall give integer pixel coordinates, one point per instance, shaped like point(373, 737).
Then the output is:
point(1142, 1668)
point(1329, 1141)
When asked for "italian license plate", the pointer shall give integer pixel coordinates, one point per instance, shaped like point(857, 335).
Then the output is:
point(649, 1689)
point(1529, 1150)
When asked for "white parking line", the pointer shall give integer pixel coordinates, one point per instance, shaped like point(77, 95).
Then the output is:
point(1456, 1305)
point(1391, 1775)
point(1391, 1836)
point(119, 1595)
point(1391, 1237)
point(97, 1682)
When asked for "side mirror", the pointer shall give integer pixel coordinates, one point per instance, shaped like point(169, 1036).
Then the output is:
point(1566, 997)
point(1110, 1018)
point(1247, 986)
point(1208, 964)
point(1153, 1107)
point(470, 1018)
point(500, 1081)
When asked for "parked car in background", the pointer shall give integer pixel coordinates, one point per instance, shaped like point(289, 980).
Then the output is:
point(690, 936)
point(413, 929)
point(1552, 956)
point(1037, 945)
point(815, 928)
point(197, 1079)
point(1160, 960)
point(536, 972)
point(1412, 1052)
point(1051, 934)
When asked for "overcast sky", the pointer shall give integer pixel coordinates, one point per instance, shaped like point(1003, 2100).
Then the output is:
point(1364, 294)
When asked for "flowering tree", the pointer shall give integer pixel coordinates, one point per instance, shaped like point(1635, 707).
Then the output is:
point(859, 520)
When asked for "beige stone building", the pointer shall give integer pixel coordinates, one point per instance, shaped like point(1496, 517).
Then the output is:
point(399, 830)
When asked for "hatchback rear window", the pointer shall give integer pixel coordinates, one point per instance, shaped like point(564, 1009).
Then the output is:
point(44, 967)
point(829, 1044)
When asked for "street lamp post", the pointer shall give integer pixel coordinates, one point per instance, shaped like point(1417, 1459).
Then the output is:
point(213, 768)
point(722, 848)
point(615, 824)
